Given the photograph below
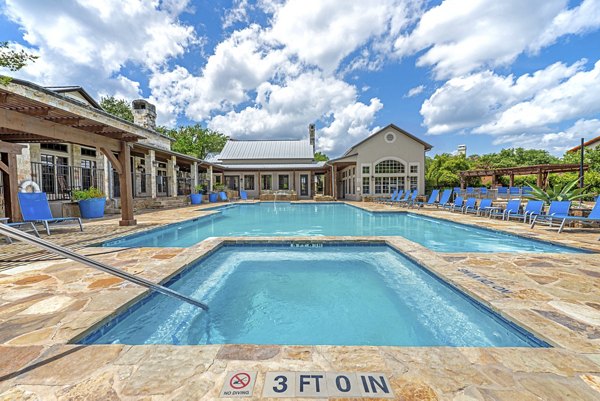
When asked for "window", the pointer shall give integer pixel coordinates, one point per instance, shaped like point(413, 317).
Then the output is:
point(366, 170)
point(414, 182)
point(284, 182)
point(390, 137)
point(389, 167)
point(57, 147)
point(266, 182)
point(217, 179)
point(88, 152)
point(88, 173)
point(414, 169)
point(249, 182)
point(365, 185)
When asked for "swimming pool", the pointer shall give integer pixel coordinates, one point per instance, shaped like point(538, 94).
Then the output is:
point(332, 219)
point(332, 294)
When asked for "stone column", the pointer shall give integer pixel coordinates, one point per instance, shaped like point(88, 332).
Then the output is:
point(171, 163)
point(24, 165)
point(194, 176)
point(210, 178)
point(152, 171)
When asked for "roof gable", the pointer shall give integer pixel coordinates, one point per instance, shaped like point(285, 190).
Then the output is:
point(77, 93)
point(397, 129)
point(261, 150)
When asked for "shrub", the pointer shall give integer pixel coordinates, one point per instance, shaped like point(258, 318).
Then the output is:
point(85, 194)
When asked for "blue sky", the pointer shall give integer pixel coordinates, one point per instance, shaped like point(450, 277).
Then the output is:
point(484, 73)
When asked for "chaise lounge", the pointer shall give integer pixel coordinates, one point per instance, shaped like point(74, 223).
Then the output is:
point(36, 209)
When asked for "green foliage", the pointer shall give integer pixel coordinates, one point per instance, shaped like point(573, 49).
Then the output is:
point(85, 194)
point(194, 140)
point(442, 170)
point(219, 187)
point(321, 157)
point(117, 107)
point(200, 188)
point(591, 157)
point(13, 60)
point(513, 158)
point(558, 192)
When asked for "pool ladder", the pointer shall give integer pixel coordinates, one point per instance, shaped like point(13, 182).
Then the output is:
point(64, 252)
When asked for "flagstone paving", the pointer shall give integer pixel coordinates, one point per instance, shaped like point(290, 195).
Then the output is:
point(46, 303)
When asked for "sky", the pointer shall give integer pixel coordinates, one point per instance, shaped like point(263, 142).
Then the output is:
point(486, 73)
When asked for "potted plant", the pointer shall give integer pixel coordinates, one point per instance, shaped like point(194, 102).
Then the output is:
point(91, 202)
point(214, 195)
point(196, 198)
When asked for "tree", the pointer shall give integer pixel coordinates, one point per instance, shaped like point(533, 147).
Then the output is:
point(513, 158)
point(442, 170)
point(321, 157)
point(194, 140)
point(117, 107)
point(13, 60)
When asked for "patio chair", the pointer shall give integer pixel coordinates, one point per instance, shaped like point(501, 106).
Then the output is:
point(483, 208)
point(457, 205)
point(483, 191)
point(557, 210)
point(23, 226)
point(411, 199)
point(593, 217)
point(243, 195)
point(457, 192)
point(445, 198)
point(514, 191)
point(431, 201)
point(502, 191)
point(512, 207)
point(470, 204)
point(390, 199)
point(470, 191)
point(533, 208)
point(36, 209)
point(223, 196)
point(399, 199)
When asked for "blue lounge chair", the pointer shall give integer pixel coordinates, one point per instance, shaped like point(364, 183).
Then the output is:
point(512, 208)
point(390, 199)
point(533, 208)
point(457, 205)
point(431, 201)
point(470, 204)
point(557, 210)
point(243, 195)
point(483, 191)
point(483, 208)
point(19, 225)
point(223, 196)
point(400, 199)
point(457, 192)
point(502, 191)
point(445, 198)
point(470, 191)
point(411, 199)
point(593, 217)
point(36, 209)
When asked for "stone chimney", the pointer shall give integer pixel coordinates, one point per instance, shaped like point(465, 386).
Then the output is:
point(311, 136)
point(144, 114)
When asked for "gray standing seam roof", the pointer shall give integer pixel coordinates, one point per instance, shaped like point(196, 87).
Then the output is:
point(248, 150)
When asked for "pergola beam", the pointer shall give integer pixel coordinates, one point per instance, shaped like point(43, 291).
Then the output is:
point(21, 122)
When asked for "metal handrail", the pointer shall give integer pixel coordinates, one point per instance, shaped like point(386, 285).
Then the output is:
point(59, 250)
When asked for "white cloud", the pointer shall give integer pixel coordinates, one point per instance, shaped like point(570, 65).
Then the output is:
point(238, 13)
point(88, 43)
point(578, 20)
point(415, 91)
point(473, 100)
point(460, 37)
point(578, 96)
point(555, 142)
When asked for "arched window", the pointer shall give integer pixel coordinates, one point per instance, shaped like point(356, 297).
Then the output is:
point(390, 175)
point(389, 166)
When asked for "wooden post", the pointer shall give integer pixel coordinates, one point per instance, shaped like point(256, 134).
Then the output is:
point(127, 218)
point(463, 182)
point(540, 179)
point(511, 180)
point(11, 185)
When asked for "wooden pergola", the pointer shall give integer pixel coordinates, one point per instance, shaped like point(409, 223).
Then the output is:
point(31, 114)
point(541, 170)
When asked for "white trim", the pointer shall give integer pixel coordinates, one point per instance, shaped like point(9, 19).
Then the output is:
point(394, 136)
point(418, 169)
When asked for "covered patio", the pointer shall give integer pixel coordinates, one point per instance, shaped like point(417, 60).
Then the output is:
point(32, 114)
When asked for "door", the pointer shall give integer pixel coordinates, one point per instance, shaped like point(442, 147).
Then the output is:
point(232, 182)
point(303, 184)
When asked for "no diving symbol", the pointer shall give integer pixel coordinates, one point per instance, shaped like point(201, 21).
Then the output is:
point(239, 380)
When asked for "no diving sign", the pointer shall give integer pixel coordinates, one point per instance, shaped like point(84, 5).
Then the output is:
point(309, 385)
point(238, 384)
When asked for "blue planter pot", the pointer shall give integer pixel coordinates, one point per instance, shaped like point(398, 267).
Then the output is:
point(196, 199)
point(213, 198)
point(92, 208)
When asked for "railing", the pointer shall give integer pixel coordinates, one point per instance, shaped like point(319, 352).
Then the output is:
point(59, 181)
point(142, 184)
point(66, 253)
point(184, 186)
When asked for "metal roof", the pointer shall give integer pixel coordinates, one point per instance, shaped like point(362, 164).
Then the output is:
point(274, 166)
point(252, 150)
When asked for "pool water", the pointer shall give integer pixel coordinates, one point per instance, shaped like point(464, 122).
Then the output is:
point(287, 219)
point(332, 294)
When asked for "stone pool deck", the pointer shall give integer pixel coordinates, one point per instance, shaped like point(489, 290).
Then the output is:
point(46, 303)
